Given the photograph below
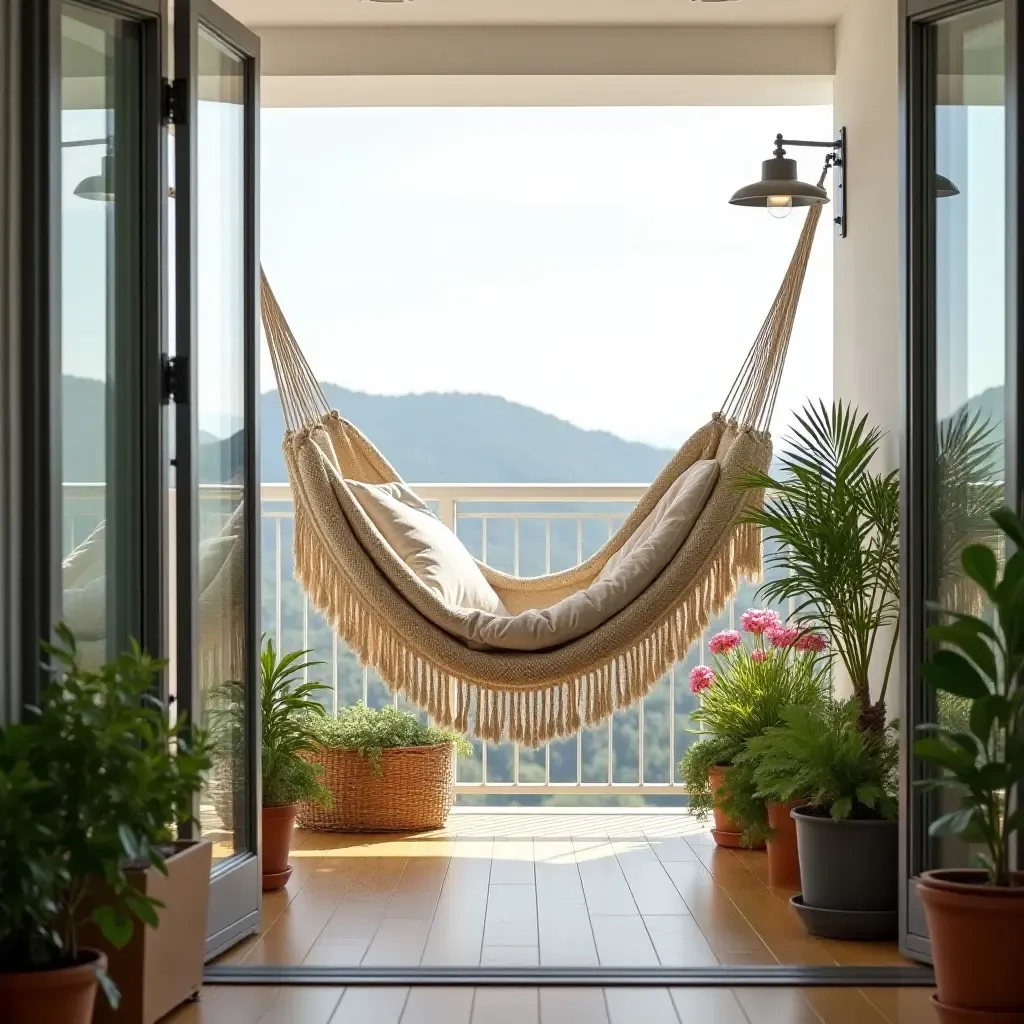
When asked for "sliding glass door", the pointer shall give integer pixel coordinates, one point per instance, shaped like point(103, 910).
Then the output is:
point(961, 455)
point(136, 511)
point(216, 489)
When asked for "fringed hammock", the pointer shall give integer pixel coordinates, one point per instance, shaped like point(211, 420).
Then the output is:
point(423, 647)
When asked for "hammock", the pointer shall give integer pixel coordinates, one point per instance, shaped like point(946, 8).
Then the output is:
point(449, 660)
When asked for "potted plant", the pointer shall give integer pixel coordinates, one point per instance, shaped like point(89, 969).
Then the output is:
point(976, 915)
point(288, 710)
point(845, 778)
point(385, 770)
point(90, 785)
point(741, 696)
point(836, 523)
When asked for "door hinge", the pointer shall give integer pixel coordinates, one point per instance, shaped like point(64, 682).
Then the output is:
point(174, 101)
point(175, 386)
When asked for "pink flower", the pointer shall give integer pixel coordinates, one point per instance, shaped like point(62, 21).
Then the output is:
point(812, 642)
point(782, 636)
point(757, 620)
point(727, 640)
point(759, 655)
point(701, 677)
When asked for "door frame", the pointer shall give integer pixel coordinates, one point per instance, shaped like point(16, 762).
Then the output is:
point(235, 888)
point(918, 372)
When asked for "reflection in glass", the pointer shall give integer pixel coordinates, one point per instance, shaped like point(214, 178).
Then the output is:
point(969, 316)
point(100, 349)
point(219, 354)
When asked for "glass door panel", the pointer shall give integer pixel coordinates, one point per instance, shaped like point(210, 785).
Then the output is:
point(217, 499)
point(103, 354)
point(956, 458)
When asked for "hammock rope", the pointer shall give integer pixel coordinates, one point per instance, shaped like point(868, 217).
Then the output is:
point(395, 625)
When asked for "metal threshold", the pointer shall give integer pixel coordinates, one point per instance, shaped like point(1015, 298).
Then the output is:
point(716, 976)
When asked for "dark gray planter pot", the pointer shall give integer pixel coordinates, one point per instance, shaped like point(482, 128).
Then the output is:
point(848, 867)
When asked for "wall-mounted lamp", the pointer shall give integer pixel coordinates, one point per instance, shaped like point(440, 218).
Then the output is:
point(779, 189)
point(97, 186)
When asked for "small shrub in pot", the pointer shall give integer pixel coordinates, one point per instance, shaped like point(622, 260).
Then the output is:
point(289, 710)
point(90, 784)
point(976, 916)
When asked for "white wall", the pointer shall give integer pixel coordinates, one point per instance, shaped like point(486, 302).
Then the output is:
point(867, 282)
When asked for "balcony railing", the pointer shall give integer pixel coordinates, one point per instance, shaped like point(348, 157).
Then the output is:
point(526, 529)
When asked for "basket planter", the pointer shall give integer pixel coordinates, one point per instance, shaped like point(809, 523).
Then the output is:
point(977, 933)
point(414, 791)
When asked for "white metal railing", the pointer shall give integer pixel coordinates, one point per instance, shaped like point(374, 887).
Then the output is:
point(526, 525)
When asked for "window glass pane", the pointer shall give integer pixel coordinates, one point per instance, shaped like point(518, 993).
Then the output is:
point(100, 350)
point(219, 353)
point(969, 315)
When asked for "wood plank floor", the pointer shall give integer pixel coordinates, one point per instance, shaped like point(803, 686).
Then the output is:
point(558, 889)
point(297, 1005)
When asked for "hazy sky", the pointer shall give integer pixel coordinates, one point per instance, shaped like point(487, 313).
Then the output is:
point(583, 261)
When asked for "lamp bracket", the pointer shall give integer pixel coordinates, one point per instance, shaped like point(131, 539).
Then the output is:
point(834, 159)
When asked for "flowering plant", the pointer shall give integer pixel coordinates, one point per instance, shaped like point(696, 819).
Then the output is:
point(755, 675)
point(769, 635)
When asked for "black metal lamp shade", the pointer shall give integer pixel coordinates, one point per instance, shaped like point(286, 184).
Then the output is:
point(944, 188)
point(778, 178)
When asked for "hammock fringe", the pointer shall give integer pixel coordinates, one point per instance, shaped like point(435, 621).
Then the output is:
point(529, 715)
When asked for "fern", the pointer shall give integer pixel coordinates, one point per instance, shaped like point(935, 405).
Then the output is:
point(818, 753)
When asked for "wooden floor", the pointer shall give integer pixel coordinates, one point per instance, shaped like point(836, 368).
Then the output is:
point(294, 1005)
point(535, 888)
point(614, 888)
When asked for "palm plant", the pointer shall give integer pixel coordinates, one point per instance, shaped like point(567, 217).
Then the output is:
point(837, 526)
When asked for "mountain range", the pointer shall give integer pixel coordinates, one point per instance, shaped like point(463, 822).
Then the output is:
point(436, 438)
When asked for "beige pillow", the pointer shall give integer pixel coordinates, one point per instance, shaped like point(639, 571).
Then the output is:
point(427, 546)
point(636, 566)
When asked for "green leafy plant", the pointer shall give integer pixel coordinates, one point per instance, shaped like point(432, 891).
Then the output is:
point(371, 731)
point(981, 663)
point(819, 754)
point(91, 783)
point(695, 770)
point(288, 709)
point(837, 557)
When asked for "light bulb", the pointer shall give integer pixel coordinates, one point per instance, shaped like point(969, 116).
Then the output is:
point(780, 206)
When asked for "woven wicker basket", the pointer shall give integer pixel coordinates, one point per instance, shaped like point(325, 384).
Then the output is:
point(415, 790)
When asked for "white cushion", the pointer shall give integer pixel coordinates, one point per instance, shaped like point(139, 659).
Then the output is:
point(427, 546)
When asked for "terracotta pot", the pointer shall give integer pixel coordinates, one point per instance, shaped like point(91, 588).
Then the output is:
point(726, 833)
point(783, 862)
point(161, 967)
point(65, 994)
point(977, 934)
point(278, 826)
